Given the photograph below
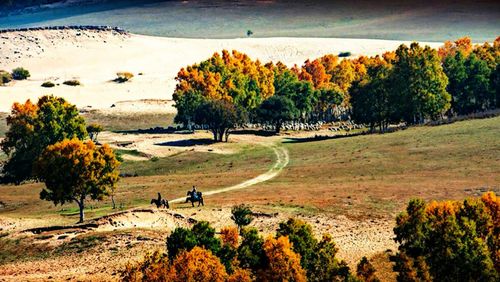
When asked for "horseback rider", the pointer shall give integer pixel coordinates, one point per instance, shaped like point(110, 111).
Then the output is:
point(194, 193)
point(159, 197)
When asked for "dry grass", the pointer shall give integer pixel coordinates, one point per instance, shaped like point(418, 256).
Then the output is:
point(123, 122)
point(376, 175)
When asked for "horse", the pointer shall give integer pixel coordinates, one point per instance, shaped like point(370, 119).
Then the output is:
point(198, 199)
point(160, 203)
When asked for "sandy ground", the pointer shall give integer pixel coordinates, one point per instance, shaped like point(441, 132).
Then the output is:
point(93, 58)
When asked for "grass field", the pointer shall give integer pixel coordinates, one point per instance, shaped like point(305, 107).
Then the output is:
point(376, 175)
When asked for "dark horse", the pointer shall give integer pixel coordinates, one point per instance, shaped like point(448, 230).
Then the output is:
point(160, 202)
point(198, 198)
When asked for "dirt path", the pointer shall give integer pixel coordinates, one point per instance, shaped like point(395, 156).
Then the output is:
point(282, 160)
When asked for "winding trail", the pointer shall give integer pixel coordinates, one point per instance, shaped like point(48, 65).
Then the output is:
point(282, 160)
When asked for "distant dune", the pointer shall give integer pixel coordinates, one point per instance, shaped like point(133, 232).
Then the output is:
point(94, 57)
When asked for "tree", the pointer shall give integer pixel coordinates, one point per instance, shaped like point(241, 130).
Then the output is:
point(5, 77)
point(32, 127)
point(277, 110)
point(202, 235)
point(317, 258)
point(198, 265)
point(229, 236)
point(93, 130)
point(250, 252)
point(419, 84)
point(241, 215)
point(371, 99)
point(284, 264)
point(220, 116)
point(366, 271)
point(449, 241)
point(153, 267)
point(20, 74)
point(73, 170)
point(187, 104)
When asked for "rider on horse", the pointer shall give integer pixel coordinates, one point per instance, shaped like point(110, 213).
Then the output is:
point(194, 193)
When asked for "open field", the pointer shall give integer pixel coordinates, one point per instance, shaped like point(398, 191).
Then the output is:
point(350, 187)
point(389, 19)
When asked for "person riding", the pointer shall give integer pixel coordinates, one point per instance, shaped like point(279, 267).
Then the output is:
point(159, 197)
point(194, 193)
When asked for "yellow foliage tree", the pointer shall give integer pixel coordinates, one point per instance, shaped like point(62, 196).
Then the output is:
point(284, 264)
point(197, 265)
point(230, 236)
point(73, 170)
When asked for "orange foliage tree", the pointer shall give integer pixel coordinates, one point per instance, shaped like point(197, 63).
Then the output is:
point(449, 48)
point(284, 264)
point(233, 77)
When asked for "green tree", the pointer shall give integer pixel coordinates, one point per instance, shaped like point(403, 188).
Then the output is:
point(93, 130)
point(32, 127)
point(202, 235)
point(277, 110)
point(220, 117)
point(5, 77)
point(449, 241)
point(419, 84)
point(241, 215)
point(73, 170)
point(187, 104)
point(250, 252)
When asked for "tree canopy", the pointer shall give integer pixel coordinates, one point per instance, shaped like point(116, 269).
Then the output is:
point(32, 127)
point(73, 170)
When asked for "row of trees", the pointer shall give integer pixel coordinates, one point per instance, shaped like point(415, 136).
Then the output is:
point(438, 241)
point(294, 254)
point(409, 85)
point(49, 142)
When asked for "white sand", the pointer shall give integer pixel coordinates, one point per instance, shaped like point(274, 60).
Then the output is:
point(94, 58)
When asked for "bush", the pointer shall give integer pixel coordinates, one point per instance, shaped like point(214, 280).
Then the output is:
point(93, 130)
point(449, 240)
point(366, 271)
point(200, 235)
point(20, 74)
point(5, 77)
point(123, 77)
point(344, 54)
point(241, 215)
point(72, 82)
point(48, 84)
point(284, 264)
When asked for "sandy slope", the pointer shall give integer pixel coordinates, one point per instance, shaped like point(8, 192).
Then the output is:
point(94, 58)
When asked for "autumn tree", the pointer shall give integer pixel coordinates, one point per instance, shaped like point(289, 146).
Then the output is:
point(284, 263)
point(449, 241)
point(155, 267)
point(462, 45)
point(73, 170)
point(277, 110)
point(232, 77)
point(198, 265)
point(32, 127)
point(419, 83)
point(220, 117)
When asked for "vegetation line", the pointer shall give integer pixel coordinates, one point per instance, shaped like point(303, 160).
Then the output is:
point(281, 162)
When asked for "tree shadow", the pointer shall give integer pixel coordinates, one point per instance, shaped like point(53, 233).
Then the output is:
point(187, 142)
point(257, 132)
point(322, 137)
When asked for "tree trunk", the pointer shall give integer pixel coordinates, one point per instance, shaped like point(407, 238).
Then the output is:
point(81, 205)
point(278, 127)
point(113, 201)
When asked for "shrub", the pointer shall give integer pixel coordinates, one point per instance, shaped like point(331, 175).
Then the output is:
point(250, 252)
point(344, 54)
point(449, 240)
point(5, 77)
point(241, 215)
point(48, 84)
point(20, 74)
point(123, 77)
point(93, 130)
point(72, 82)
point(200, 235)
point(366, 271)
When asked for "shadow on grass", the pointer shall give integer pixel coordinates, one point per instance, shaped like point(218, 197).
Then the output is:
point(253, 132)
point(187, 142)
point(158, 130)
point(322, 137)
